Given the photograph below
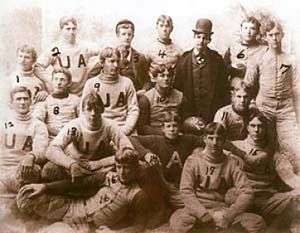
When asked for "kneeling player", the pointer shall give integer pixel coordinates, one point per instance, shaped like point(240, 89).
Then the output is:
point(80, 147)
point(60, 107)
point(206, 177)
point(120, 204)
point(23, 143)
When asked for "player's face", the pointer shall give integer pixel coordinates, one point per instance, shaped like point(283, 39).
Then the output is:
point(60, 83)
point(125, 36)
point(201, 40)
point(163, 30)
point(248, 32)
point(25, 60)
point(240, 100)
point(69, 32)
point(171, 130)
point(111, 66)
point(92, 116)
point(126, 172)
point(256, 129)
point(164, 79)
point(274, 38)
point(21, 102)
point(214, 143)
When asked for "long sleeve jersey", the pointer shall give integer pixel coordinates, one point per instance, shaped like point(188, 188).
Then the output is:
point(73, 57)
point(75, 142)
point(119, 98)
point(56, 112)
point(21, 134)
point(273, 75)
point(153, 107)
point(172, 153)
point(205, 183)
point(234, 123)
point(28, 80)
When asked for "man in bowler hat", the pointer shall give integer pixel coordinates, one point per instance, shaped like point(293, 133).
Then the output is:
point(201, 76)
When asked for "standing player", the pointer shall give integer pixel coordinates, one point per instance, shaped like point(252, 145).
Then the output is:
point(272, 72)
point(67, 53)
point(23, 144)
point(163, 50)
point(206, 177)
point(118, 206)
point(79, 147)
point(241, 50)
point(132, 63)
point(234, 117)
point(24, 75)
point(200, 75)
point(118, 93)
point(159, 99)
point(60, 107)
point(261, 169)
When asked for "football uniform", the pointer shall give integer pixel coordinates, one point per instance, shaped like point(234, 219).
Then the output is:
point(75, 142)
point(235, 124)
point(153, 107)
point(73, 57)
point(56, 111)
point(119, 98)
point(20, 134)
point(112, 204)
point(28, 80)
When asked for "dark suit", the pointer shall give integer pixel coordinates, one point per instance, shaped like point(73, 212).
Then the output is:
point(207, 92)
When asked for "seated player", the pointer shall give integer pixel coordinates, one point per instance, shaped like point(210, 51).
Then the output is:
point(60, 107)
point(261, 169)
point(161, 98)
point(206, 177)
point(120, 205)
point(82, 144)
point(117, 91)
point(234, 117)
point(24, 75)
point(23, 144)
point(171, 149)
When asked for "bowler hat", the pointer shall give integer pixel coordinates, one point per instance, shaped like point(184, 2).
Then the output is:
point(203, 26)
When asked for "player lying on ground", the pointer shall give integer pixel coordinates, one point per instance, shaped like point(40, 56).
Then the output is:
point(120, 205)
point(206, 177)
point(60, 107)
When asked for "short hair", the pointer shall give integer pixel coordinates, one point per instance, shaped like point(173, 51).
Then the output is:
point(215, 128)
point(64, 71)
point(156, 69)
point(65, 20)
point(127, 156)
point(28, 49)
point(241, 85)
point(171, 116)
point(108, 52)
point(255, 113)
point(252, 19)
point(273, 24)
point(18, 89)
point(93, 100)
point(165, 18)
point(125, 23)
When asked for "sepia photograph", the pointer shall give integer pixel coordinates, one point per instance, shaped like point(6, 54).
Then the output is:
point(149, 116)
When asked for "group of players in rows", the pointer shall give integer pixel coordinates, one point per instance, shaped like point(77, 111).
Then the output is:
point(115, 141)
